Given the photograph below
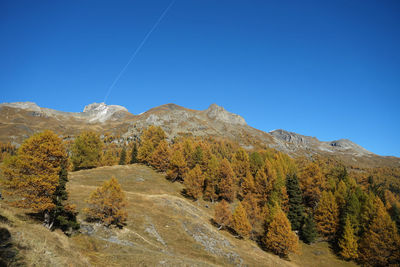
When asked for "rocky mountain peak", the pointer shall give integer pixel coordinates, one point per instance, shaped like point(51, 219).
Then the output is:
point(101, 112)
point(218, 113)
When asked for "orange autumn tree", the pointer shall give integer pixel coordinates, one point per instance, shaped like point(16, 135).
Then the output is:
point(107, 204)
point(240, 222)
point(279, 237)
point(160, 157)
point(33, 174)
point(194, 181)
point(348, 243)
point(222, 215)
point(327, 215)
point(312, 183)
point(149, 141)
point(226, 179)
point(379, 246)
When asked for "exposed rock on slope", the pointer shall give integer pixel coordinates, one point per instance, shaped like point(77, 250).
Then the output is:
point(290, 142)
point(96, 112)
point(22, 119)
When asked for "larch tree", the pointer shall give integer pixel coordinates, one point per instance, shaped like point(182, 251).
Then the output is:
point(348, 243)
point(194, 181)
point(177, 165)
point(107, 204)
point(253, 211)
point(380, 243)
point(256, 162)
point(312, 183)
point(226, 178)
point(223, 214)
point(327, 215)
point(248, 185)
point(150, 139)
point(211, 180)
point(240, 222)
point(86, 151)
point(279, 237)
point(36, 175)
point(296, 208)
point(240, 165)
point(160, 157)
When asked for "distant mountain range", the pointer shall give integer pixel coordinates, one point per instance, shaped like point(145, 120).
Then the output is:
point(21, 119)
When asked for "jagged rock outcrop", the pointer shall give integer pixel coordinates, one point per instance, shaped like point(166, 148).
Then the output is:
point(216, 112)
point(102, 112)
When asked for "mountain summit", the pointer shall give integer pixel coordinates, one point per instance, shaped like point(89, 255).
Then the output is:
point(21, 119)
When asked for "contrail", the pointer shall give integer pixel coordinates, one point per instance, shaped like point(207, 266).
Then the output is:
point(138, 49)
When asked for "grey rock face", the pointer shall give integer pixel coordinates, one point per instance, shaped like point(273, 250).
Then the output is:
point(216, 112)
point(101, 112)
point(96, 112)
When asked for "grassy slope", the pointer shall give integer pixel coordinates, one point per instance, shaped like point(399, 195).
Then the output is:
point(163, 229)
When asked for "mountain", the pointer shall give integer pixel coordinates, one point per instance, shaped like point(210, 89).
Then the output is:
point(21, 119)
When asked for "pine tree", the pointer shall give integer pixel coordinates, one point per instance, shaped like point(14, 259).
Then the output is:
point(122, 158)
point(226, 178)
point(34, 174)
point(308, 231)
point(107, 204)
point(279, 237)
point(240, 222)
point(223, 214)
point(348, 243)
point(64, 214)
point(134, 154)
point(296, 208)
point(327, 215)
point(380, 243)
point(194, 181)
point(86, 151)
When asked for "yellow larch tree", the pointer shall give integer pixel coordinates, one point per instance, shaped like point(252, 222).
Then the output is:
point(240, 222)
point(194, 182)
point(279, 237)
point(32, 175)
point(327, 215)
point(348, 243)
point(107, 204)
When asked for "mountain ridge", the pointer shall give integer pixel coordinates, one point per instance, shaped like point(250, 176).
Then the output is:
point(21, 119)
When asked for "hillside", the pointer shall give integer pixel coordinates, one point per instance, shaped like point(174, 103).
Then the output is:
point(20, 120)
point(163, 229)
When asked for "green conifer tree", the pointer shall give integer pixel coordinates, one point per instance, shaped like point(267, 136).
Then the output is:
point(122, 158)
point(64, 214)
point(309, 230)
point(296, 208)
point(134, 154)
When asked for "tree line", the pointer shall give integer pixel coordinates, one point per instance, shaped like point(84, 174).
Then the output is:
point(262, 195)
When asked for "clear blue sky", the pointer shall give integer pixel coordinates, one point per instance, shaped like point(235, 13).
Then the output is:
point(329, 69)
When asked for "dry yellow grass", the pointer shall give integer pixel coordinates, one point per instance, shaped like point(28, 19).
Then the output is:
point(163, 229)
